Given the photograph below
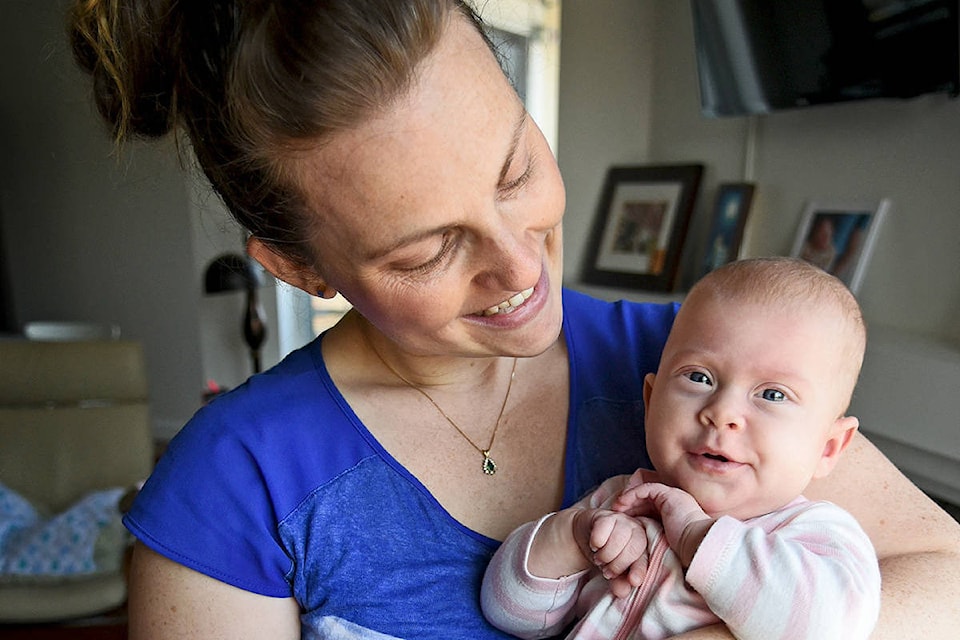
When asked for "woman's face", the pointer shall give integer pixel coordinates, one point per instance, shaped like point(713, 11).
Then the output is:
point(444, 208)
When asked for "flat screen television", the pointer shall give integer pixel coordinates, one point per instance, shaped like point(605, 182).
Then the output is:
point(758, 56)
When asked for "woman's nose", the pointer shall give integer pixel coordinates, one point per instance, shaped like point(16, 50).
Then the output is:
point(511, 258)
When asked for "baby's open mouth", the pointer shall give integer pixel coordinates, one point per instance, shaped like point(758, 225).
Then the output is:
point(714, 456)
point(510, 304)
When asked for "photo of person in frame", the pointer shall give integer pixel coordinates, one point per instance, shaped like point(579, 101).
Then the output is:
point(834, 242)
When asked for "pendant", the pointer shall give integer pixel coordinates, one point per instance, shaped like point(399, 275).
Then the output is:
point(489, 466)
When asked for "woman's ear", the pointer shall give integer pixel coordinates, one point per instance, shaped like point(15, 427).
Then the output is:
point(282, 268)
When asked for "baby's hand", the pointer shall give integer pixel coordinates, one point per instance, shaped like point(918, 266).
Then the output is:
point(617, 544)
point(611, 487)
point(684, 522)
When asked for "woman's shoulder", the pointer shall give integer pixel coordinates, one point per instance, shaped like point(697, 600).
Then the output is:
point(621, 326)
point(268, 425)
point(276, 400)
point(581, 305)
point(243, 463)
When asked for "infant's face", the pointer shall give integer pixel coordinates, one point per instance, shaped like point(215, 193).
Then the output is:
point(743, 407)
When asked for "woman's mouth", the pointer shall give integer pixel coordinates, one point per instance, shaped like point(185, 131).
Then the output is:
point(509, 305)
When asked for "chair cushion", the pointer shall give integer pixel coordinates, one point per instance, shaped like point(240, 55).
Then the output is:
point(54, 457)
point(74, 420)
point(34, 373)
point(61, 598)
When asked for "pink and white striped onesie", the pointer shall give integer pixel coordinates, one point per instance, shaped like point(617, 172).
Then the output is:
point(805, 571)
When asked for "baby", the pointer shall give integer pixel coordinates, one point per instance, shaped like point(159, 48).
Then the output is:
point(747, 407)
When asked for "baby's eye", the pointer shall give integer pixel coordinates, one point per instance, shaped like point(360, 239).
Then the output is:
point(773, 395)
point(700, 378)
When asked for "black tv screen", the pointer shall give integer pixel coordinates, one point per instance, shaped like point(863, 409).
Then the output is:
point(758, 56)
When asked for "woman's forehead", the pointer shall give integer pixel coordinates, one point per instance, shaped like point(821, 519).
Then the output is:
point(442, 143)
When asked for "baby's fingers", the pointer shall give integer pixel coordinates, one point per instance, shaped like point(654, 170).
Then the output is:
point(640, 500)
point(621, 586)
point(638, 571)
point(624, 542)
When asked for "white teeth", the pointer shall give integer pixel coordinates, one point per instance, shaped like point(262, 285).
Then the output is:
point(510, 304)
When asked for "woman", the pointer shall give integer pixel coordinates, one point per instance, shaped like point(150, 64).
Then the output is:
point(358, 488)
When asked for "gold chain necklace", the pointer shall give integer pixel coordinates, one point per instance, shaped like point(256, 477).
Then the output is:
point(489, 467)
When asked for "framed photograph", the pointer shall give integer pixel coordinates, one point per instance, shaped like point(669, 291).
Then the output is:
point(839, 237)
point(728, 220)
point(641, 225)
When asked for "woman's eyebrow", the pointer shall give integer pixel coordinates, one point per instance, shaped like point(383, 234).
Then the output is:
point(412, 238)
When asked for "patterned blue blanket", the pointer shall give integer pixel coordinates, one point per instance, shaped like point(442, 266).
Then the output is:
point(86, 538)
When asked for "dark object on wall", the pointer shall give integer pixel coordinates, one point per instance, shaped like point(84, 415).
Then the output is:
point(641, 225)
point(7, 324)
point(758, 56)
point(731, 207)
point(234, 272)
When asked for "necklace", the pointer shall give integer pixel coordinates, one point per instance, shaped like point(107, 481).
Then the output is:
point(488, 466)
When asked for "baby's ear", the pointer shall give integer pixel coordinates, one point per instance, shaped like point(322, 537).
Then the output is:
point(648, 381)
point(841, 434)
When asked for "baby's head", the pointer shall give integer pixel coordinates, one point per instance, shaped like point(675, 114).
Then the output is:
point(749, 402)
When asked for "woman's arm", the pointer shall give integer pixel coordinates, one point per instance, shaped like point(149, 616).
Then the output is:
point(917, 542)
point(169, 601)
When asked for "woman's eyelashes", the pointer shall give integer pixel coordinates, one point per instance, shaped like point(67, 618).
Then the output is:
point(448, 242)
point(510, 188)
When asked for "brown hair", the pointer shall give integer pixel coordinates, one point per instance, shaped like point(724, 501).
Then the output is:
point(251, 82)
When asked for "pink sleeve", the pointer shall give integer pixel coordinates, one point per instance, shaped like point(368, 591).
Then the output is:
point(807, 571)
point(522, 604)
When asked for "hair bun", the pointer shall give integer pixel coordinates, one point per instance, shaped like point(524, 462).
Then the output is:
point(127, 49)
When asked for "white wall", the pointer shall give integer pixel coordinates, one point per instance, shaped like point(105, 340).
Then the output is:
point(606, 65)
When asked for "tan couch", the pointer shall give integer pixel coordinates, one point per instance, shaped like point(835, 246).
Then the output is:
point(73, 420)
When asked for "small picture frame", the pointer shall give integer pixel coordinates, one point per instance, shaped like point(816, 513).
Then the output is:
point(641, 226)
point(839, 237)
point(731, 206)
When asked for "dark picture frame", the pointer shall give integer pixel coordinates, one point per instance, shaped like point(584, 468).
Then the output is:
point(839, 237)
point(731, 208)
point(641, 226)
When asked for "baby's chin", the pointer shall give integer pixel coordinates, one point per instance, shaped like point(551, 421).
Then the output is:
point(718, 508)
point(717, 501)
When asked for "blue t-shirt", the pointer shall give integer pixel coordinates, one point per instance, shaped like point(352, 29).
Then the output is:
point(279, 489)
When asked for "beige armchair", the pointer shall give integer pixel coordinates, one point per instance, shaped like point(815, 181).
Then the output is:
point(73, 420)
